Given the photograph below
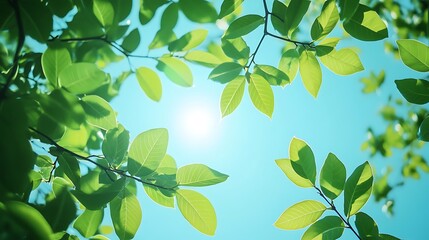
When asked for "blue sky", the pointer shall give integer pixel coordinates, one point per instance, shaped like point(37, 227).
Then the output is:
point(245, 144)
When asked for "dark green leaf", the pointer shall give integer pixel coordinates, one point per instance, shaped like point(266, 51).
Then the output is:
point(94, 199)
point(357, 189)
point(414, 90)
point(294, 14)
point(60, 210)
point(384, 236)
point(236, 49)
point(170, 16)
point(366, 226)
point(225, 72)
point(347, 8)
point(199, 11)
point(366, 25)
point(326, 22)
point(424, 130)
point(302, 159)
point(148, 9)
point(36, 19)
point(278, 17)
point(131, 41)
point(326, 46)
point(70, 166)
point(332, 177)
point(243, 25)
point(60, 8)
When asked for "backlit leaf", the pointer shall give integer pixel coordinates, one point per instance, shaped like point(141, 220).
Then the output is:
point(286, 166)
point(199, 11)
point(273, 75)
point(232, 95)
point(424, 130)
point(103, 10)
point(329, 227)
point(126, 214)
point(149, 83)
point(332, 177)
point(261, 94)
point(197, 210)
point(54, 60)
point(188, 41)
point(289, 63)
point(300, 215)
point(302, 159)
point(98, 111)
point(94, 199)
point(204, 58)
point(146, 151)
point(236, 49)
point(82, 78)
point(70, 166)
point(199, 175)
point(176, 70)
point(294, 14)
point(131, 41)
point(347, 8)
point(414, 90)
point(366, 25)
point(228, 7)
point(88, 222)
point(225, 72)
point(326, 46)
point(326, 22)
point(342, 62)
point(311, 74)
point(243, 25)
point(414, 54)
point(357, 189)
point(162, 38)
point(148, 9)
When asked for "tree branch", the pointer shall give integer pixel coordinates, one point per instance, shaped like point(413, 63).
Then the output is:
point(104, 168)
point(331, 203)
point(21, 38)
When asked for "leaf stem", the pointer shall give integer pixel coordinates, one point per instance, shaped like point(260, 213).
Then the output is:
point(114, 170)
point(332, 205)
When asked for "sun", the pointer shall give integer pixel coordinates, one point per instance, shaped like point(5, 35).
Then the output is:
point(198, 122)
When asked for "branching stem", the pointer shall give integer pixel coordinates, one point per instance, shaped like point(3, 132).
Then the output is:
point(104, 168)
point(332, 205)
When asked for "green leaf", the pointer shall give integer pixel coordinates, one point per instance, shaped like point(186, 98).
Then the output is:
point(75, 139)
point(170, 16)
point(286, 166)
point(294, 14)
point(60, 8)
point(199, 175)
point(414, 54)
point(278, 17)
point(176, 70)
point(103, 10)
point(326, 22)
point(36, 19)
point(70, 166)
point(203, 58)
point(342, 62)
point(197, 210)
point(94, 199)
point(347, 8)
point(300, 215)
point(149, 83)
point(289, 63)
point(332, 177)
point(164, 175)
point(131, 41)
point(54, 60)
point(115, 145)
point(273, 75)
point(188, 41)
point(236, 49)
point(59, 210)
point(28, 218)
point(199, 11)
point(357, 189)
point(311, 74)
point(98, 111)
point(414, 90)
point(225, 72)
point(243, 25)
point(366, 25)
point(63, 107)
point(146, 152)
point(261, 94)
point(326, 46)
point(424, 130)
point(228, 7)
point(88, 222)
point(148, 9)
point(126, 214)
point(373, 82)
point(80, 78)
point(384, 236)
point(302, 159)
point(366, 226)
point(232, 95)
point(162, 38)
point(329, 227)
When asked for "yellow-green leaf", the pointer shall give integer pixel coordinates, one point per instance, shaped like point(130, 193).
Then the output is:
point(232, 95)
point(176, 70)
point(300, 215)
point(342, 62)
point(357, 189)
point(149, 83)
point(311, 74)
point(286, 166)
point(261, 94)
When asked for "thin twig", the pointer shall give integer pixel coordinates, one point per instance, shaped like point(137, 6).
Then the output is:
point(331, 203)
point(117, 171)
